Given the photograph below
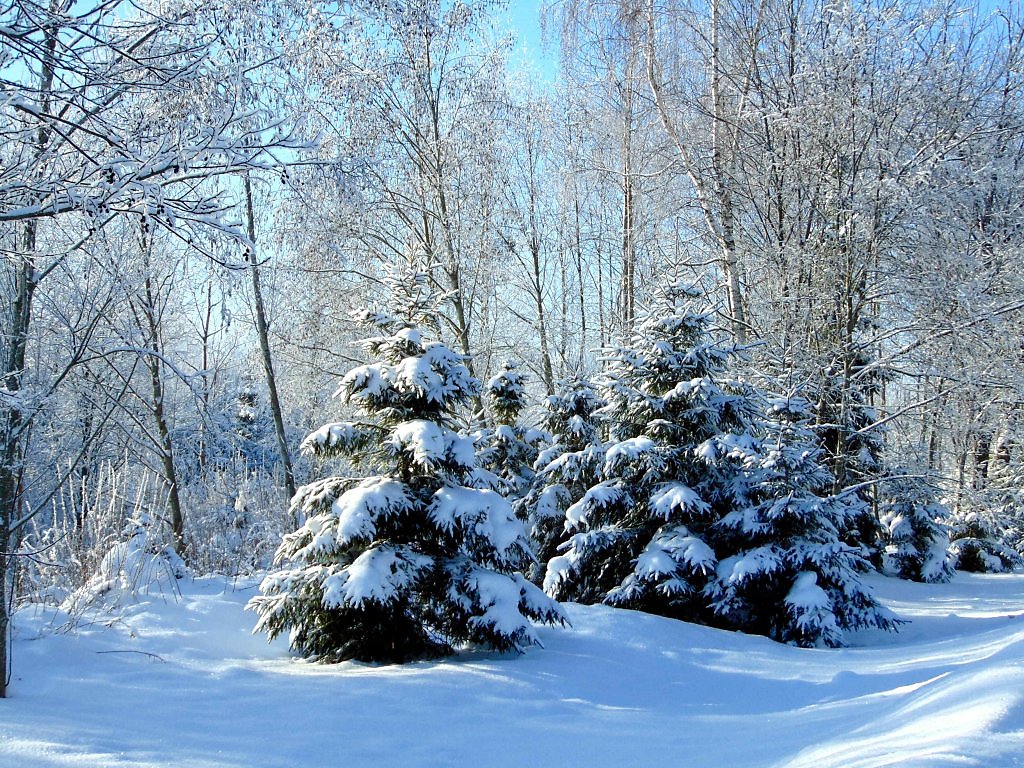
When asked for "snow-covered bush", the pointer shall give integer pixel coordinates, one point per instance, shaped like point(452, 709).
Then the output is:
point(62, 549)
point(101, 541)
point(142, 563)
point(919, 547)
point(236, 521)
point(412, 559)
point(978, 545)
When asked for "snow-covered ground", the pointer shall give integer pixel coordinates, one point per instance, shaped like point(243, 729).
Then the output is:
point(183, 683)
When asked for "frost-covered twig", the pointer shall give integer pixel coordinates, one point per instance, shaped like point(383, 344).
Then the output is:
point(153, 656)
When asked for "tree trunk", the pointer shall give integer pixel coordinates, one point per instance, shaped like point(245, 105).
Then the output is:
point(720, 223)
point(982, 449)
point(206, 335)
point(11, 438)
point(160, 416)
point(722, 182)
point(628, 284)
point(262, 330)
point(578, 243)
point(14, 366)
point(538, 286)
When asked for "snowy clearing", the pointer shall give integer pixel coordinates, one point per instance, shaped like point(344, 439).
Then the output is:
point(184, 683)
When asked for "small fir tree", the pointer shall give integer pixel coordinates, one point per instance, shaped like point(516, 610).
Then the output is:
point(1010, 511)
point(852, 448)
point(784, 571)
point(978, 543)
point(640, 534)
point(918, 548)
point(1003, 493)
point(411, 560)
point(508, 450)
point(985, 526)
point(566, 468)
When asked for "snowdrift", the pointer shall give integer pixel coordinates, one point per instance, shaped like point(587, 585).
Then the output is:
point(184, 683)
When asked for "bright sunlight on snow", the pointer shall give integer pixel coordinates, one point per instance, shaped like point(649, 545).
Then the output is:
point(183, 683)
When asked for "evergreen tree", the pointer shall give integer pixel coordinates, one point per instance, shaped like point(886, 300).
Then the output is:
point(986, 526)
point(853, 450)
point(669, 471)
point(918, 542)
point(705, 508)
point(784, 571)
point(1004, 494)
point(411, 560)
point(508, 450)
point(566, 468)
point(978, 543)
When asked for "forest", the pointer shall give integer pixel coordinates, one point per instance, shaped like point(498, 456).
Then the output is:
point(719, 317)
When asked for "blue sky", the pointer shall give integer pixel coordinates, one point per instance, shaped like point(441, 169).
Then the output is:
point(524, 18)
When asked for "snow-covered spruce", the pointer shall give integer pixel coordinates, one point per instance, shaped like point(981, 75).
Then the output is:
point(978, 543)
point(918, 546)
point(852, 448)
point(705, 509)
point(640, 536)
point(783, 570)
point(566, 468)
point(509, 449)
point(412, 560)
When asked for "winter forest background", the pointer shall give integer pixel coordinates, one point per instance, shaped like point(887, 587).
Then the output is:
point(756, 263)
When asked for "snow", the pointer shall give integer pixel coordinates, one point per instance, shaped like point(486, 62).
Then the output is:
point(500, 596)
point(599, 496)
point(129, 567)
point(411, 335)
point(550, 502)
point(684, 548)
point(378, 574)
point(435, 375)
point(812, 608)
point(485, 513)
point(366, 380)
point(655, 561)
point(417, 374)
point(184, 683)
point(674, 498)
point(736, 570)
point(359, 507)
point(625, 452)
point(331, 436)
point(431, 444)
point(806, 593)
point(354, 513)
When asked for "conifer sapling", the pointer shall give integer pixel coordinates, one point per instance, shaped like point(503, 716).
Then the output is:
point(410, 560)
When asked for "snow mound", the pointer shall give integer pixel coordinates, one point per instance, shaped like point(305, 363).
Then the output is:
point(139, 566)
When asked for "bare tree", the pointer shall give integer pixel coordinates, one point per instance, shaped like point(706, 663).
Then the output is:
point(98, 123)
